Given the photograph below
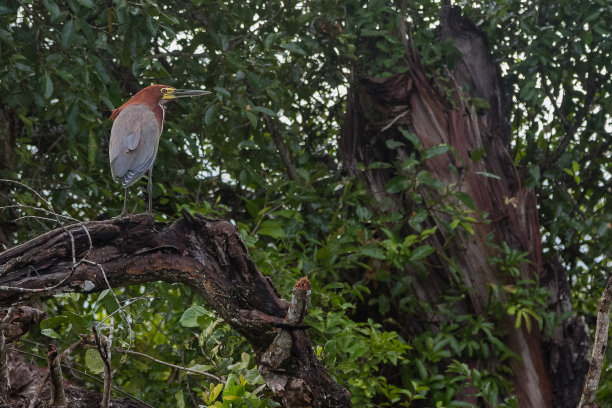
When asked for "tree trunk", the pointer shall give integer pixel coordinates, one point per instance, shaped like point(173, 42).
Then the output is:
point(206, 255)
point(413, 101)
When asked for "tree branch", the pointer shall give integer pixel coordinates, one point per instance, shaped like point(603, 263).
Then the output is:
point(103, 345)
point(587, 400)
point(206, 255)
point(181, 368)
point(57, 380)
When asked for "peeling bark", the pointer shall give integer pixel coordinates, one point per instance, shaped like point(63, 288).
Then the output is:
point(206, 255)
point(378, 108)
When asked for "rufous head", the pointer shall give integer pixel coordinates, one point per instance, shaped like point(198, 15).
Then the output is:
point(158, 95)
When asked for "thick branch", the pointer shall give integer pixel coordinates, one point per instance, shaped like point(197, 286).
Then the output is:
point(207, 255)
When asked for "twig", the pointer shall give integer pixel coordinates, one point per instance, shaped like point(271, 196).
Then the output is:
point(103, 344)
point(66, 352)
point(57, 381)
point(29, 207)
point(128, 302)
point(185, 369)
point(119, 390)
point(193, 401)
point(4, 373)
point(121, 309)
point(51, 211)
point(178, 54)
point(589, 392)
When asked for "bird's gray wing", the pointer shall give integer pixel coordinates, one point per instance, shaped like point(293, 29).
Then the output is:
point(133, 143)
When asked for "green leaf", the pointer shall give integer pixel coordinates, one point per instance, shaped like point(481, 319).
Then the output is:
point(79, 323)
point(363, 213)
point(435, 151)
point(214, 393)
point(490, 175)
point(421, 252)
point(53, 9)
point(372, 251)
point(294, 48)
point(397, 184)
point(270, 38)
point(393, 144)
point(263, 110)
point(383, 304)
point(209, 116)
point(222, 91)
point(53, 322)
point(180, 399)
point(528, 91)
point(7, 37)
point(272, 228)
point(411, 137)
point(86, 3)
point(251, 117)
point(190, 316)
point(47, 86)
point(51, 333)
point(5, 11)
point(68, 34)
point(480, 103)
point(466, 199)
point(93, 361)
point(233, 398)
point(477, 154)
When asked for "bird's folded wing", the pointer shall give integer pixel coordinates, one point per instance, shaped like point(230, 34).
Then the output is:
point(133, 143)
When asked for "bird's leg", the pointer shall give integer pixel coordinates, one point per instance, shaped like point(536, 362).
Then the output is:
point(124, 212)
point(150, 187)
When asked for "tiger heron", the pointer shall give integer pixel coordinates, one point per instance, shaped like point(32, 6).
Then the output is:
point(137, 125)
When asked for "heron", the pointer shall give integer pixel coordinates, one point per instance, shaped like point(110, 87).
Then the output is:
point(134, 140)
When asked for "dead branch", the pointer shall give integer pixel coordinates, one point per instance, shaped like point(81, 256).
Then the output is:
point(57, 381)
point(66, 352)
point(103, 344)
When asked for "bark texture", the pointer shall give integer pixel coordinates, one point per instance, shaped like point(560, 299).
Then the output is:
point(207, 255)
point(414, 101)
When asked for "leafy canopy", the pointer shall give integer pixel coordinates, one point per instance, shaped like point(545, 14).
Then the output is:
point(279, 72)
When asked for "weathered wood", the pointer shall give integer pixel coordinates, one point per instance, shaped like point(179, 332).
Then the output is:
point(206, 255)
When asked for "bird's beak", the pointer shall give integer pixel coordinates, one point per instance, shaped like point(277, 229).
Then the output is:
point(173, 93)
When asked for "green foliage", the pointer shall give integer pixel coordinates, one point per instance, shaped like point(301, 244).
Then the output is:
point(66, 65)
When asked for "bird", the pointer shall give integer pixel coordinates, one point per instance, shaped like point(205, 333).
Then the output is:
point(134, 139)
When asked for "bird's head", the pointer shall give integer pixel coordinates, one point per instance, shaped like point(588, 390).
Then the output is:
point(158, 95)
